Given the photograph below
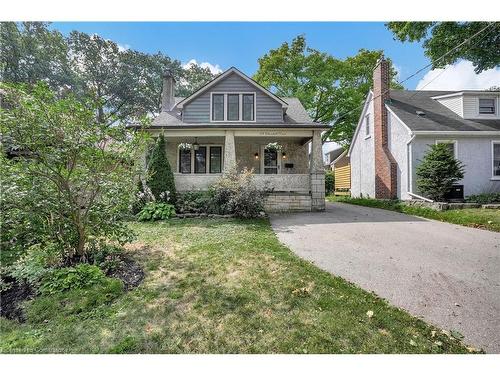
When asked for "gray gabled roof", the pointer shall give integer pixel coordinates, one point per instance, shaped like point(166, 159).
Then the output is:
point(437, 117)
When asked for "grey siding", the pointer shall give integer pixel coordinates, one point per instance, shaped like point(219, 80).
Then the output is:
point(474, 152)
point(268, 110)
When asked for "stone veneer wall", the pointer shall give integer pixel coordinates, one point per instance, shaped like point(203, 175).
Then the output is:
point(318, 191)
point(287, 202)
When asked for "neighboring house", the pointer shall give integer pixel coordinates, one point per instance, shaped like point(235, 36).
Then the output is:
point(342, 170)
point(229, 122)
point(397, 127)
point(330, 156)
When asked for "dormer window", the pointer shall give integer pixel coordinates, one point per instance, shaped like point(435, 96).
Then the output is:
point(218, 107)
point(487, 106)
point(232, 107)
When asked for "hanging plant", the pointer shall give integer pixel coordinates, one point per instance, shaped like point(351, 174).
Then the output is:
point(184, 146)
point(274, 146)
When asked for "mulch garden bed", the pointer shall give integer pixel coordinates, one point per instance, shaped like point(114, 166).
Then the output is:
point(12, 298)
point(130, 273)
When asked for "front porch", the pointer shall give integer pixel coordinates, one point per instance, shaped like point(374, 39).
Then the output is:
point(295, 176)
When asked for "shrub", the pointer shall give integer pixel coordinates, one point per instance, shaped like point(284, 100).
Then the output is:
point(438, 171)
point(329, 182)
point(161, 179)
point(484, 198)
point(73, 180)
point(37, 262)
point(156, 211)
point(108, 258)
point(78, 277)
point(195, 202)
point(235, 193)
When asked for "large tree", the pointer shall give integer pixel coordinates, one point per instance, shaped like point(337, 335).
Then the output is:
point(125, 84)
point(439, 38)
point(331, 89)
point(71, 177)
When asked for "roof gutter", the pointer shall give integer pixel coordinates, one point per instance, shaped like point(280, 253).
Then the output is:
point(479, 133)
point(409, 172)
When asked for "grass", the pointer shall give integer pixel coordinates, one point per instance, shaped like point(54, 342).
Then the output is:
point(222, 286)
point(472, 217)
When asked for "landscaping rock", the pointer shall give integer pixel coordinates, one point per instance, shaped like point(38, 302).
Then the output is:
point(491, 206)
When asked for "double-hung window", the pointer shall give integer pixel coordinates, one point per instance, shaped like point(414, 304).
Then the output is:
point(487, 106)
point(495, 156)
point(205, 159)
point(248, 107)
point(218, 107)
point(232, 107)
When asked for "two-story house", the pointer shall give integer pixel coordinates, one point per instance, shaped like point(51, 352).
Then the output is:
point(396, 128)
point(231, 122)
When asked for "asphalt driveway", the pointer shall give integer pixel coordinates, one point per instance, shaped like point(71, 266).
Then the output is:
point(447, 274)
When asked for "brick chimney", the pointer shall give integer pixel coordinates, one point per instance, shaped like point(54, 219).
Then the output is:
point(386, 179)
point(167, 95)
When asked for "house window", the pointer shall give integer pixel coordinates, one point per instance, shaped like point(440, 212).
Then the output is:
point(233, 107)
point(367, 125)
point(206, 159)
point(185, 161)
point(200, 160)
point(452, 144)
point(218, 107)
point(495, 151)
point(215, 159)
point(248, 107)
point(487, 106)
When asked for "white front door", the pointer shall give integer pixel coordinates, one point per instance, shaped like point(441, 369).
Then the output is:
point(270, 162)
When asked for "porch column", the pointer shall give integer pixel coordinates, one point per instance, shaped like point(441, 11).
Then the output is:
point(317, 173)
point(229, 151)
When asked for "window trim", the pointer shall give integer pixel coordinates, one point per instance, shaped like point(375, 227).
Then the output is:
point(479, 106)
point(240, 114)
point(368, 132)
point(455, 145)
point(207, 164)
point(224, 105)
point(493, 143)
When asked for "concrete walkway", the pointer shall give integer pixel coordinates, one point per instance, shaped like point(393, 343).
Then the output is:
point(447, 274)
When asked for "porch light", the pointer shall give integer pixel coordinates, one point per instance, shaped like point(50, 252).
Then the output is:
point(283, 155)
point(196, 146)
point(256, 156)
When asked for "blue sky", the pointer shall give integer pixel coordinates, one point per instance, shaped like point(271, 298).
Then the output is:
point(240, 44)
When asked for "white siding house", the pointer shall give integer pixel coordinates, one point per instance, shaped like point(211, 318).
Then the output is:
point(415, 120)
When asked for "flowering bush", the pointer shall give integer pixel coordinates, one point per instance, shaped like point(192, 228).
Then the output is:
point(274, 146)
point(235, 193)
point(184, 146)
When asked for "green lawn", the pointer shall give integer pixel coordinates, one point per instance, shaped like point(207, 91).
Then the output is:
point(473, 217)
point(222, 286)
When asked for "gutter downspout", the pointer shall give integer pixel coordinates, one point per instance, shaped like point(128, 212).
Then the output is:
point(409, 171)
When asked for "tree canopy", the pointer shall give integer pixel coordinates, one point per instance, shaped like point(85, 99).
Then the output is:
point(440, 38)
point(331, 89)
point(125, 84)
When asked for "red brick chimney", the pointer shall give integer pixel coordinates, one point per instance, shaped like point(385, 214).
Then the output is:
point(386, 179)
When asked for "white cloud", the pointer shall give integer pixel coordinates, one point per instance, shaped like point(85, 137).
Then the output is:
point(215, 69)
point(459, 76)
